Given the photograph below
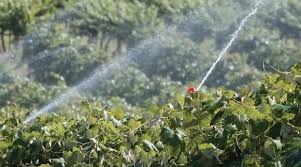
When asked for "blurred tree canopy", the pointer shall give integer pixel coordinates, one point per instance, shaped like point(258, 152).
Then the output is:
point(17, 18)
point(70, 38)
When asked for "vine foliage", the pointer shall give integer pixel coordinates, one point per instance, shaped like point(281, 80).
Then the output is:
point(249, 128)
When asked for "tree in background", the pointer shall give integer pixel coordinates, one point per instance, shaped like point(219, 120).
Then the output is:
point(18, 18)
point(88, 34)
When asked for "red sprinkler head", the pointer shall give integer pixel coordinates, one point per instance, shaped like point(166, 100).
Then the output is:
point(191, 90)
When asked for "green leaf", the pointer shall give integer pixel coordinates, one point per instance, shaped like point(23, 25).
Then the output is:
point(160, 145)
point(4, 145)
point(118, 114)
point(251, 161)
point(132, 124)
point(44, 165)
point(59, 162)
point(216, 117)
point(210, 151)
point(180, 134)
point(167, 134)
point(181, 100)
point(271, 147)
point(150, 145)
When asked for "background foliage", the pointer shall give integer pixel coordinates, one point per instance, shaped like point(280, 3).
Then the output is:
point(72, 38)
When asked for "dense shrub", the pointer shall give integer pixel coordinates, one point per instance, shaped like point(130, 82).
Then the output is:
point(47, 52)
point(250, 128)
point(27, 93)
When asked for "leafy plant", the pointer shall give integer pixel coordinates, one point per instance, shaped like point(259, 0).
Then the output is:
point(260, 128)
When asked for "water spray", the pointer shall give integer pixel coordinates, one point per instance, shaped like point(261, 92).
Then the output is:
point(229, 44)
point(99, 75)
point(120, 63)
